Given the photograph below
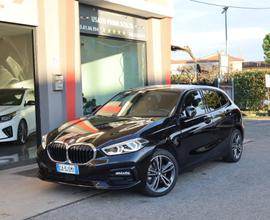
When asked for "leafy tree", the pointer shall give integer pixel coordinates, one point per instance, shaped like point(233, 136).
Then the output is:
point(266, 48)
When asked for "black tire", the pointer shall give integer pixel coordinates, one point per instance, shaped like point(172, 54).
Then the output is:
point(22, 132)
point(235, 147)
point(147, 187)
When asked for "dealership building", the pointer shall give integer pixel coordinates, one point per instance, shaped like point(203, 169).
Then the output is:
point(71, 53)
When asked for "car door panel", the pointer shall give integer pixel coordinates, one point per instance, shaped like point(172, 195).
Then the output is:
point(195, 139)
point(221, 116)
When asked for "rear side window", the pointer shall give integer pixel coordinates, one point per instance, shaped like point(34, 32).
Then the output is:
point(214, 99)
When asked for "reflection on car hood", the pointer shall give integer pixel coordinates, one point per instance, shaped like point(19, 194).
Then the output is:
point(5, 109)
point(99, 129)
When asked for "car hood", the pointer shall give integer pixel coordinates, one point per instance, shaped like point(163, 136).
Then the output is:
point(99, 130)
point(5, 109)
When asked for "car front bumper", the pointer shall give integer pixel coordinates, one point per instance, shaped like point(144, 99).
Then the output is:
point(8, 130)
point(114, 172)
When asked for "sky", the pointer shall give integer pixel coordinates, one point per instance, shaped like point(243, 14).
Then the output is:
point(202, 28)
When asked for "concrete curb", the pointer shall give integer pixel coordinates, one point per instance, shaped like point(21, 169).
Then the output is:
point(18, 169)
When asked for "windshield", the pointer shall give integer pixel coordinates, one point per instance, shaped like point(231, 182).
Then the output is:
point(151, 103)
point(11, 97)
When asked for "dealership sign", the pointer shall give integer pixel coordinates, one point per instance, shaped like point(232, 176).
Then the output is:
point(99, 22)
point(267, 80)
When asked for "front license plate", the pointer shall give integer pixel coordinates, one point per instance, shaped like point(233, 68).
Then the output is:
point(67, 168)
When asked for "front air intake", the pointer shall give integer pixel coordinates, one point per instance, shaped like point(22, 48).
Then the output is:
point(57, 151)
point(80, 153)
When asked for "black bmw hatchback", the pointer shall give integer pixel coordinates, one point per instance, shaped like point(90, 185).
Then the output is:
point(144, 138)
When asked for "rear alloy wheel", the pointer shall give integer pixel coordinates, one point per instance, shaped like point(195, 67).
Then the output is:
point(235, 147)
point(162, 174)
point(22, 132)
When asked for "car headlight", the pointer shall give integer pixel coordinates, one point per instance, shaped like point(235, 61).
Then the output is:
point(7, 117)
point(125, 147)
point(44, 141)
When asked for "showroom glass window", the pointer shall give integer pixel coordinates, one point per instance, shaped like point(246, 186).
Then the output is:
point(17, 119)
point(109, 66)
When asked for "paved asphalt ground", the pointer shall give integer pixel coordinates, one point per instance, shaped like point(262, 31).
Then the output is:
point(216, 190)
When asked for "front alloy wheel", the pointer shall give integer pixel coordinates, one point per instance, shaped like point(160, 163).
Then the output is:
point(161, 174)
point(22, 132)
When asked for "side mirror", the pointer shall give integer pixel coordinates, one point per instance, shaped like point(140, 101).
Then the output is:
point(190, 111)
point(30, 102)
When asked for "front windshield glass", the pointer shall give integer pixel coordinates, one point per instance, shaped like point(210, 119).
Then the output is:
point(150, 103)
point(11, 97)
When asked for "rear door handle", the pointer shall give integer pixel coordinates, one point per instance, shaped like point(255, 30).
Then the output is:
point(207, 119)
point(228, 112)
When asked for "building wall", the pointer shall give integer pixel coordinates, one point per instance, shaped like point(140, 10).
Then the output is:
point(166, 48)
point(236, 66)
point(57, 47)
point(20, 12)
point(154, 66)
point(142, 8)
point(57, 52)
point(159, 50)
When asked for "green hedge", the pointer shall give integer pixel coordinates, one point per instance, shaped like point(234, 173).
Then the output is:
point(250, 90)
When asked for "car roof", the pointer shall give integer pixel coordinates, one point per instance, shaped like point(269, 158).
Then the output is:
point(176, 87)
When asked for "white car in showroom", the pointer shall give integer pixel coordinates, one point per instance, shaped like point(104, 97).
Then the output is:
point(17, 114)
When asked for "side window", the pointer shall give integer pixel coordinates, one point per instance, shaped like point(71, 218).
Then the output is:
point(30, 96)
point(214, 99)
point(193, 99)
point(223, 99)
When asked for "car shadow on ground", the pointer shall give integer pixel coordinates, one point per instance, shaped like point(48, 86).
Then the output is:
point(189, 177)
point(56, 187)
